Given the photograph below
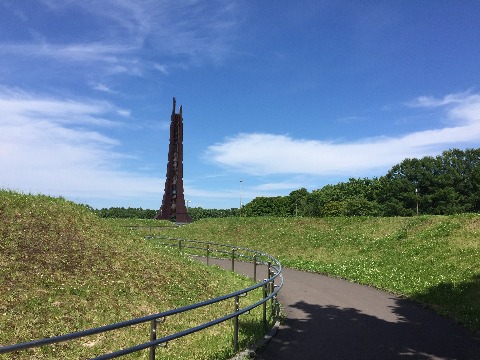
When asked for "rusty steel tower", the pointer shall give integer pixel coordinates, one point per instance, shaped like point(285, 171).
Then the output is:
point(173, 203)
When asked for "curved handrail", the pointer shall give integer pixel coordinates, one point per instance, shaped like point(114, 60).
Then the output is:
point(270, 291)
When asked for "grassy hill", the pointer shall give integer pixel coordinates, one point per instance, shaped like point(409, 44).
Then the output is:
point(62, 269)
point(432, 259)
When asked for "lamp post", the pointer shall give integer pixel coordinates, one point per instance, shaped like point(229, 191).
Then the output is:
point(241, 182)
point(416, 197)
point(186, 203)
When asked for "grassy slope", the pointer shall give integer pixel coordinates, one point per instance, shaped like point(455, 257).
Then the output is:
point(433, 259)
point(62, 269)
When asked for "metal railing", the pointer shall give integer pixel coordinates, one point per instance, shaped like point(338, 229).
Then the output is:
point(208, 250)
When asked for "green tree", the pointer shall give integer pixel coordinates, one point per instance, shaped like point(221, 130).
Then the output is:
point(298, 201)
point(268, 206)
point(446, 184)
point(334, 208)
point(360, 206)
point(357, 197)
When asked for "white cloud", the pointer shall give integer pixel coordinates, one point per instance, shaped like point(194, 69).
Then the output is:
point(47, 147)
point(467, 111)
point(264, 154)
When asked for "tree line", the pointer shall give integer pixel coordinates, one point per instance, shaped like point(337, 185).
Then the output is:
point(442, 185)
point(125, 213)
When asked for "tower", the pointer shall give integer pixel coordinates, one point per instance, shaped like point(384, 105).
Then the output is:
point(173, 203)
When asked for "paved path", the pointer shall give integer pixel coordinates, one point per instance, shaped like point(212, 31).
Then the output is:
point(335, 319)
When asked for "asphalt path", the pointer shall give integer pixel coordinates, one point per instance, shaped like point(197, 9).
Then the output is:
point(330, 318)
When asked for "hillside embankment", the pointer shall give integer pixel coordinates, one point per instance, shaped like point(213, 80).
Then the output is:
point(431, 259)
point(63, 269)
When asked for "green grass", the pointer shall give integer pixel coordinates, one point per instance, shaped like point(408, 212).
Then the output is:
point(432, 259)
point(62, 269)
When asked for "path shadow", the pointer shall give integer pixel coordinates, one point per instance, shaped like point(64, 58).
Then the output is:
point(462, 299)
point(331, 332)
point(407, 331)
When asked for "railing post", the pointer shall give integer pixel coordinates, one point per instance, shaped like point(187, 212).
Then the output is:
point(265, 305)
point(274, 306)
point(272, 283)
point(235, 324)
point(233, 259)
point(208, 253)
point(153, 336)
point(255, 267)
point(269, 274)
point(180, 245)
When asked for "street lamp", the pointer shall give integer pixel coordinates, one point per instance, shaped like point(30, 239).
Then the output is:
point(416, 196)
point(186, 202)
point(241, 182)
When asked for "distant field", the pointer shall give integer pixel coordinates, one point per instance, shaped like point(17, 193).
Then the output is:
point(62, 269)
point(432, 259)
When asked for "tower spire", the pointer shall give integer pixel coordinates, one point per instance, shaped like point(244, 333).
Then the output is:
point(173, 203)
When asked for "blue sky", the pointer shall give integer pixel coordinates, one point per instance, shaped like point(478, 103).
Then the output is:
point(279, 94)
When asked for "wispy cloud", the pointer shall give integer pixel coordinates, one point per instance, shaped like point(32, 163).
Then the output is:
point(430, 101)
point(201, 31)
point(263, 154)
point(352, 119)
point(46, 147)
point(78, 52)
point(162, 68)
point(102, 87)
point(463, 108)
point(275, 186)
point(17, 106)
